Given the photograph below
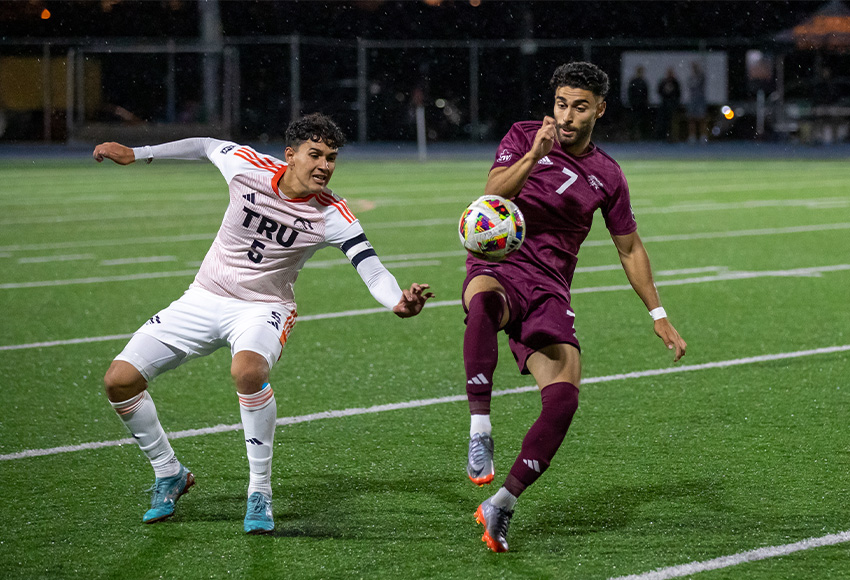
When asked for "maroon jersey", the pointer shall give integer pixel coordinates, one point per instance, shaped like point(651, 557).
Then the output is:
point(558, 201)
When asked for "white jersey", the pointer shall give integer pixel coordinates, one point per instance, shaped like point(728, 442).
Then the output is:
point(265, 237)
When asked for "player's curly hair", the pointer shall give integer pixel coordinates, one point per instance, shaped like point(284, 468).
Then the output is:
point(314, 127)
point(581, 75)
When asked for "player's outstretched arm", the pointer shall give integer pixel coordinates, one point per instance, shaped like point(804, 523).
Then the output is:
point(635, 262)
point(116, 151)
point(412, 300)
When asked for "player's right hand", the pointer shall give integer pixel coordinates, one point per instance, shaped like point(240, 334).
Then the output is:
point(116, 151)
point(412, 300)
point(545, 138)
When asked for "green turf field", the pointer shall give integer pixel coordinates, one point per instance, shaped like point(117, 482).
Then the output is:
point(752, 259)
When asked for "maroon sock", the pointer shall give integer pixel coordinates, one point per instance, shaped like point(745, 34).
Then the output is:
point(560, 401)
point(481, 349)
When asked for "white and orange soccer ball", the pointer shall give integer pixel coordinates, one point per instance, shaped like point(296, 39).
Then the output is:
point(492, 227)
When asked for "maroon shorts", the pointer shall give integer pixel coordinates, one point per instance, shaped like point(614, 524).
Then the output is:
point(540, 314)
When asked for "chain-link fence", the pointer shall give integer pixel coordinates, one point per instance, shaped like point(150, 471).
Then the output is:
point(251, 87)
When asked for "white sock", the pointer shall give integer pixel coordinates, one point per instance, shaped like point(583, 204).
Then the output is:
point(504, 499)
point(139, 416)
point(259, 413)
point(480, 424)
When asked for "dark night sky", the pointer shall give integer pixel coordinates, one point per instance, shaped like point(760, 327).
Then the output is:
point(375, 19)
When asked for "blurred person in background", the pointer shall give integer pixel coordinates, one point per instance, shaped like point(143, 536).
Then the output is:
point(670, 94)
point(697, 108)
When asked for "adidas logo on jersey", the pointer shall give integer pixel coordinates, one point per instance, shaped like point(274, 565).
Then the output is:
point(478, 379)
point(532, 464)
point(545, 161)
point(250, 197)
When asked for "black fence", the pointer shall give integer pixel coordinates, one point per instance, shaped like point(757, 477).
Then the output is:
point(65, 90)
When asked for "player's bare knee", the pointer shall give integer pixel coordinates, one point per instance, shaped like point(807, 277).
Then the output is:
point(250, 371)
point(122, 382)
point(250, 378)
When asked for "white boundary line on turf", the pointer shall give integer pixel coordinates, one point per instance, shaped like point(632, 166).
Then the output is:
point(428, 402)
point(462, 199)
point(720, 277)
point(740, 558)
point(209, 236)
point(730, 234)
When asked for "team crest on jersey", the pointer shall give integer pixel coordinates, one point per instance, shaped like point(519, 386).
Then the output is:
point(504, 156)
point(594, 182)
point(227, 148)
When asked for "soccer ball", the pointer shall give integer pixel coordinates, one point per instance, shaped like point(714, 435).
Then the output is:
point(492, 227)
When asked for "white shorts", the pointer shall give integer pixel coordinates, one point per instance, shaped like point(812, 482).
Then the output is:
point(199, 323)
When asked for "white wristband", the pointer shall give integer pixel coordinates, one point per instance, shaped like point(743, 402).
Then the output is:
point(657, 313)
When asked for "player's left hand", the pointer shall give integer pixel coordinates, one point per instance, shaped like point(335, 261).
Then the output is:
point(119, 153)
point(671, 338)
point(412, 300)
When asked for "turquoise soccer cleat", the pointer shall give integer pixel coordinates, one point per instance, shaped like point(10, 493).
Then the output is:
point(166, 492)
point(258, 517)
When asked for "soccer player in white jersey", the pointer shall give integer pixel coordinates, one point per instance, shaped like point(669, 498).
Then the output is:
point(280, 214)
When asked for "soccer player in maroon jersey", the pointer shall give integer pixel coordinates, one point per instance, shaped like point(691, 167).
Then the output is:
point(558, 178)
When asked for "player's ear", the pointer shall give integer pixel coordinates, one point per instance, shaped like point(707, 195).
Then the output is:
point(288, 154)
point(600, 108)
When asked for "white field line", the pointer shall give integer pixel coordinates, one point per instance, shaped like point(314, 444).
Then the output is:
point(681, 271)
point(724, 276)
point(389, 260)
point(814, 204)
point(59, 245)
point(731, 234)
point(740, 558)
point(694, 173)
point(368, 194)
point(818, 203)
point(99, 217)
point(97, 279)
point(719, 277)
point(5, 250)
point(412, 264)
point(211, 235)
point(139, 260)
point(354, 411)
point(306, 318)
point(47, 259)
point(154, 275)
point(362, 203)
